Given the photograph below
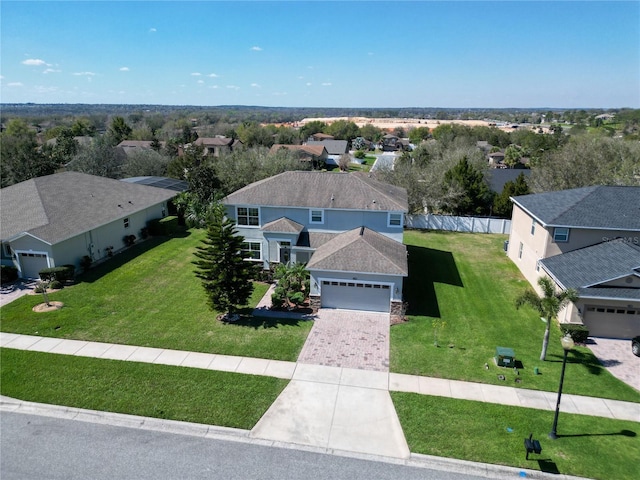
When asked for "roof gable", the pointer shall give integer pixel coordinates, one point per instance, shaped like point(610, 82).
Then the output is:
point(361, 250)
point(346, 191)
point(60, 206)
point(601, 207)
point(283, 225)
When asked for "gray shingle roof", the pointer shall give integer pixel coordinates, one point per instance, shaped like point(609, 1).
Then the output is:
point(348, 191)
point(601, 207)
point(586, 268)
point(60, 206)
point(283, 225)
point(334, 147)
point(361, 250)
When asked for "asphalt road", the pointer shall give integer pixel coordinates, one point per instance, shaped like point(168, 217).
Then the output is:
point(52, 448)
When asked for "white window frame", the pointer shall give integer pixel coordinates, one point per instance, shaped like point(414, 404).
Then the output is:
point(520, 248)
point(556, 235)
point(533, 227)
point(248, 216)
point(244, 250)
point(311, 215)
point(391, 215)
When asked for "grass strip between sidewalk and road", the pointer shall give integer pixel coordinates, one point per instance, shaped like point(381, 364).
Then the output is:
point(159, 391)
point(587, 446)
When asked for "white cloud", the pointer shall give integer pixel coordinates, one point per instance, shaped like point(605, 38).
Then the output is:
point(34, 62)
point(255, 85)
point(44, 89)
point(326, 84)
point(124, 69)
point(212, 75)
point(152, 30)
point(370, 54)
point(200, 81)
point(84, 74)
point(213, 86)
point(233, 87)
point(256, 49)
point(196, 74)
point(14, 84)
point(51, 70)
point(309, 84)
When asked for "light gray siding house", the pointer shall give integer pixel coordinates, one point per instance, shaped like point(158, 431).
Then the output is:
point(347, 228)
point(58, 219)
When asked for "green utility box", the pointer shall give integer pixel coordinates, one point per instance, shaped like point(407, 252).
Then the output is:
point(505, 357)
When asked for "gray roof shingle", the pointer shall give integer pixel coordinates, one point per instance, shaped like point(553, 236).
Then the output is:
point(60, 206)
point(598, 207)
point(347, 191)
point(585, 269)
point(361, 250)
point(283, 225)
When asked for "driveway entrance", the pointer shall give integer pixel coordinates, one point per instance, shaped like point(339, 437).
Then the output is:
point(348, 338)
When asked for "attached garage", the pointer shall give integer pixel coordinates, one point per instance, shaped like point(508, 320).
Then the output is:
point(612, 322)
point(32, 263)
point(356, 296)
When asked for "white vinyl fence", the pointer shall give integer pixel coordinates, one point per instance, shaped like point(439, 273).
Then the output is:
point(458, 224)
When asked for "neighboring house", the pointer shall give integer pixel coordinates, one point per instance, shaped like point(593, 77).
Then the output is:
point(318, 137)
point(316, 154)
point(58, 219)
point(496, 159)
point(130, 146)
point(347, 228)
point(335, 148)
point(588, 239)
point(160, 182)
point(216, 146)
point(392, 143)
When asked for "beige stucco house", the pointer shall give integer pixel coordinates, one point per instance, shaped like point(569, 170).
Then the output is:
point(58, 219)
point(588, 239)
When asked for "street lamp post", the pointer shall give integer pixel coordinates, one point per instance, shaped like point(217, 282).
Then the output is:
point(567, 344)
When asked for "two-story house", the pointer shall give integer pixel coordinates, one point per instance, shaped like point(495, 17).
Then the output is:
point(346, 227)
point(588, 239)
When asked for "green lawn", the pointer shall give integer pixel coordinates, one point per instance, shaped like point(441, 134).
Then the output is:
point(159, 391)
point(587, 446)
point(467, 281)
point(149, 296)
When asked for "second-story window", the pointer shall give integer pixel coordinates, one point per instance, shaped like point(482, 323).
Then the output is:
point(395, 219)
point(316, 216)
point(533, 227)
point(249, 216)
point(126, 222)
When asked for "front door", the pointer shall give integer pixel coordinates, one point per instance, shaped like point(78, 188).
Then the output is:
point(285, 251)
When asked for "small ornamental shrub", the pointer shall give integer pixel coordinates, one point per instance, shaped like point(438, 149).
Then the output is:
point(129, 240)
point(85, 262)
point(41, 287)
point(61, 274)
point(8, 274)
point(579, 333)
point(144, 233)
point(359, 154)
point(55, 285)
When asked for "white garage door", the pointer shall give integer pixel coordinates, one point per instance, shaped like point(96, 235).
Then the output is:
point(32, 263)
point(356, 296)
point(612, 322)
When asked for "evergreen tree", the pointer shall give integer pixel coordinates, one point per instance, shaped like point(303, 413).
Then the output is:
point(225, 275)
point(502, 205)
point(476, 196)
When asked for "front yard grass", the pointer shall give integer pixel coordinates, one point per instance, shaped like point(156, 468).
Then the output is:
point(467, 282)
point(591, 447)
point(149, 296)
point(159, 391)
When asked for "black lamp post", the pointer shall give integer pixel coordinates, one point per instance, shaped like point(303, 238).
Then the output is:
point(567, 344)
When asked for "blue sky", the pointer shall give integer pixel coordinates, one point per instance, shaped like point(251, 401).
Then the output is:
point(560, 54)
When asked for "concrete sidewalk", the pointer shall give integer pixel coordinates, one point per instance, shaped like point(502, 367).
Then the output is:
point(346, 377)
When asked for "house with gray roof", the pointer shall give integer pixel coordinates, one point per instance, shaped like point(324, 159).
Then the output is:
point(346, 227)
point(58, 219)
point(588, 239)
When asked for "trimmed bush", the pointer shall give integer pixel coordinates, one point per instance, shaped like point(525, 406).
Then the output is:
point(579, 333)
point(359, 154)
point(8, 274)
point(129, 240)
point(55, 285)
point(85, 262)
point(61, 274)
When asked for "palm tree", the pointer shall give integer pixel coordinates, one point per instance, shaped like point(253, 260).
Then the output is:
point(548, 306)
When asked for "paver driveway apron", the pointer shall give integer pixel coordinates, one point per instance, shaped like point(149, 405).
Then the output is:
point(338, 398)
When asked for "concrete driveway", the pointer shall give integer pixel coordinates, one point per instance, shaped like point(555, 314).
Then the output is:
point(617, 357)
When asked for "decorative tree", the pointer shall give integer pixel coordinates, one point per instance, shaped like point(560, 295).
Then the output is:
point(293, 285)
point(548, 306)
point(225, 275)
